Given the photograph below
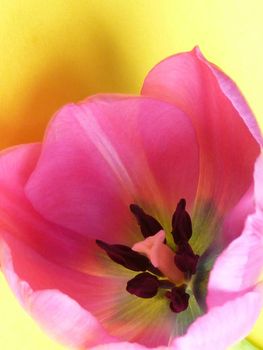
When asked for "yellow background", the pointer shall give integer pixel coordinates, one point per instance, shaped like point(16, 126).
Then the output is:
point(56, 51)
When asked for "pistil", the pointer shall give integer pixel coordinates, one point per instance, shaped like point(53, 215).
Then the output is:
point(161, 256)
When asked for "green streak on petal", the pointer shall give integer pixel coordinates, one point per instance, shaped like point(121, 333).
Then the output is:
point(206, 227)
point(184, 319)
point(200, 279)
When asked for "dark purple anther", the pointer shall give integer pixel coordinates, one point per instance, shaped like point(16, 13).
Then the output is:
point(149, 226)
point(181, 224)
point(143, 285)
point(185, 259)
point(179, 299)
point(125, 256)
point(146, 284)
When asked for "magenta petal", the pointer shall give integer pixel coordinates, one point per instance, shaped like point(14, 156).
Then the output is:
point(18, 217)
point(59, 315)
point(223, 326)
point(100, 156)
point(221, 119)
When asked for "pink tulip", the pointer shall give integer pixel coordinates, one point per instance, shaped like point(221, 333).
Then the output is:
point(138, 222)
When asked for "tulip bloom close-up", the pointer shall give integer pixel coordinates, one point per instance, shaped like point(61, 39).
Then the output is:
point(138, 221)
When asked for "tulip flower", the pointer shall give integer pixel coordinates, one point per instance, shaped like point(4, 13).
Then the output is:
point(138, 221)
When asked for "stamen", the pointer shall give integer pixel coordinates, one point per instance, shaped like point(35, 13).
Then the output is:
point(154, 270)
point(125, 256)
point(166, 284)
point(179, 299)
point(143, 285)
point(149, 226)
point(181, 223)
point(186, 260)
point(154, 255)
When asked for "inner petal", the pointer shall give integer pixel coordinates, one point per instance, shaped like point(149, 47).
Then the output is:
point(105, 153)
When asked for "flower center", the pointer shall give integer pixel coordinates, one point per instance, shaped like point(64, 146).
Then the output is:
point(160, 266)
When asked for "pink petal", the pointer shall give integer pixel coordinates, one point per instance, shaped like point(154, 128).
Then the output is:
point(222, 121)
point(11, 169)
point(18, 217)
point(234, 221)
point(239, 266)
point(48, 256)
point(259, 183)
point(108, 152)
point(92, 292)
point(126, 346)
point(223, 326)
point(59, 315)
point(104, 297)
point(231, 91)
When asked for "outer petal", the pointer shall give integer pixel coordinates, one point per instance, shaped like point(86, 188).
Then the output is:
point(126, 346)
point(259, 184)
point(222, 121)
point(238, 268)
point(223, 326)
point(59, 315)
point(234, 221)
point(108, 152)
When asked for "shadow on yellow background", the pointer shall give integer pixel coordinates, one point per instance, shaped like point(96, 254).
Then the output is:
point(59, 51)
